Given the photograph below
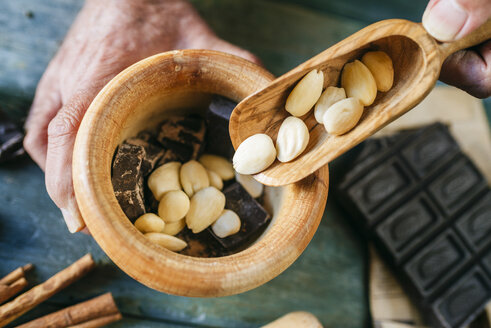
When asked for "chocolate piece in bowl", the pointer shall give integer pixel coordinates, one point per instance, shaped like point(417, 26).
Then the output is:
point(427, 208)
point(182, 137)
point(217, 117)
point(202, 244)
point(252, 215)
point(153, 153)
point(127, 179)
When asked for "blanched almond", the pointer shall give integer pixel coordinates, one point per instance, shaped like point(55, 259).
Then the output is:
point(292, 140)
point(193, 177)
point(173, 206)
point(254, 154)
point(329, 97)
point(215, 180)
point(358, 82)
point(343, 116)
point(149, 222)
point(219, 165)
point(173, 228)
point(206, 206)
point(305, 94)
point(164, 178)
point(227, 224)
point(251, 185)
point(170, 242)
point(381, 67)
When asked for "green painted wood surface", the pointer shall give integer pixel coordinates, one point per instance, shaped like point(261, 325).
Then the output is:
point(328, 279)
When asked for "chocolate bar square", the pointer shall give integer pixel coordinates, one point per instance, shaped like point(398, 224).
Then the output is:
point(408, 226)
point(475, 224)
point(466, 296)
point(427, 209)
point(434, 265)
point(252, 215)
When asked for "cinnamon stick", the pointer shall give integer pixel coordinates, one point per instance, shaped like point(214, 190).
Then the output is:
point(7, 291)
point(15, 275)
point(99, 322)
point(96, 312)
point(25, 302)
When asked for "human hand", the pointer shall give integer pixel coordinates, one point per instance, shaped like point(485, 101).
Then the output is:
point(106, 37)
point(449, 20)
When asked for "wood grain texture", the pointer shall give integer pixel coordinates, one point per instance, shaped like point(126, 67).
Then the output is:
point(417, 60)
point(141, 96)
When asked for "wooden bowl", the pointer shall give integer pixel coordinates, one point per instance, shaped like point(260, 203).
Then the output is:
point(139, 98)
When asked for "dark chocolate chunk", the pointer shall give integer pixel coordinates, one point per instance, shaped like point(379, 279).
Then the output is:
point(427, 208)
point(183, 135)
point(151, 204)
point(127, 164)
point(217, 117)
point(131, 202)
point(11, 138)
point(148, 137)
point(127, 179)
point(252, 215)
point(153, 153)
point(169, 156)
point(202, 244)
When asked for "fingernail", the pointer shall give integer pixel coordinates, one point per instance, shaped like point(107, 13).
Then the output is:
point(444, 20)
point(73, 219)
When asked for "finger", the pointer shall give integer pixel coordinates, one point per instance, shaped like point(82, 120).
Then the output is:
point(449, 20)
point(61, 137)
point(470, 70)
point(46, 104)
point(221, 45)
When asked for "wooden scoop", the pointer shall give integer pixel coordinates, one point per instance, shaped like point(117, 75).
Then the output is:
point(417, 59)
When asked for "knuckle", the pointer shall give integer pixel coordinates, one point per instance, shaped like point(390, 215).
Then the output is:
point(65, 123)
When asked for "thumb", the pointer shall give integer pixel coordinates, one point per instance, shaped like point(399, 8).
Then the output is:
point(61, 138)
point(449, 20)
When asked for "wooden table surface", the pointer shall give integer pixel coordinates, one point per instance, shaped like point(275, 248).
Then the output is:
point(329, 279)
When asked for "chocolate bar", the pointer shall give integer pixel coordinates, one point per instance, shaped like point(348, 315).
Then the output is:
point(252, 215)
point(427, 209)
point(127, 179)
point(182, 137)
point(217, 117)
point(11, 138)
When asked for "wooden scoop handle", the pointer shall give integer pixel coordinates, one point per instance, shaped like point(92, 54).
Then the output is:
point(481, 34)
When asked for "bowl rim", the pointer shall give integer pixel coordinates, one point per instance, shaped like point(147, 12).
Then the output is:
point(299, 215)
